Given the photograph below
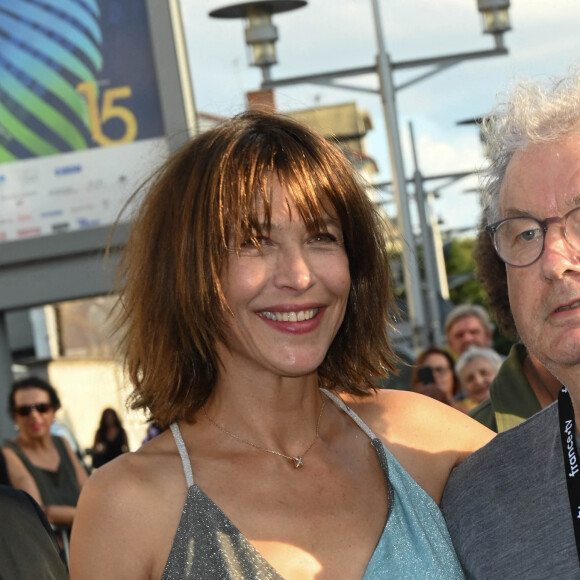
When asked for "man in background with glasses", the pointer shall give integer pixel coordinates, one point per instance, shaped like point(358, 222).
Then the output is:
point(513, 508)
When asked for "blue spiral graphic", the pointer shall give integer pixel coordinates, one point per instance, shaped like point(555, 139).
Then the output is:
point(47, 47)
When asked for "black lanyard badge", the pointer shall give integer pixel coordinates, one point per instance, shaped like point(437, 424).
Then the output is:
point(571, 459)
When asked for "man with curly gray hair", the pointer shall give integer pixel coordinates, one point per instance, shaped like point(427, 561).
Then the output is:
point(513, 508)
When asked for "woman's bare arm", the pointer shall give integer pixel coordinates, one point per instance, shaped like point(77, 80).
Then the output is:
point(127, 515)
point(110, 531)
point(80, 470)
point(19, 476)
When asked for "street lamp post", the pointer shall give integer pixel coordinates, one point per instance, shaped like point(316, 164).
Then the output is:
point(433, 286)
point(495, 21)
point(410, 267)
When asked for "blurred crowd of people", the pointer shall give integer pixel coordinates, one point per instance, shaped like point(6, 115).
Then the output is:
point(460, 372)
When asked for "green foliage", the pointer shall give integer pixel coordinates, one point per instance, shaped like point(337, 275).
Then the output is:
point(461, 267)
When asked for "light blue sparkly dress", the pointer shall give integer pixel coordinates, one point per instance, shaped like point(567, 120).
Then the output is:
point(414, 544)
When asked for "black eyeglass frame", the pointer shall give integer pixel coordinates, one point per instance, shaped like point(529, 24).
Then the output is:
point(492, 229)
point(25, 410)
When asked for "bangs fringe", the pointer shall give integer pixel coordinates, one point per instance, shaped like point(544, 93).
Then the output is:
point(244, 195)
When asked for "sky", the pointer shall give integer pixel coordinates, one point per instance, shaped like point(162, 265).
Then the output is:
point(331, 35)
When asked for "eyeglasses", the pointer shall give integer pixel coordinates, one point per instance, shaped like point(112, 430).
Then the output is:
point(25, 410)
point(519, 241)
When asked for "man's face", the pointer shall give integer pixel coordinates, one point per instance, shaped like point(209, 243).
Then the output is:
point(465, 332)
point(541, 182)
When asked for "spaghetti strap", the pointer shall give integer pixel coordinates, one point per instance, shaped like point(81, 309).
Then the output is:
point(343, 406)
point(183, 453)
point(185, 457)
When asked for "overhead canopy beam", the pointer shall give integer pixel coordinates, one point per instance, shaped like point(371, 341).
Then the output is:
point(58, 268)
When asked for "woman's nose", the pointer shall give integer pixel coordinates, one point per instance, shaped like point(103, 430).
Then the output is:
point(292, 269)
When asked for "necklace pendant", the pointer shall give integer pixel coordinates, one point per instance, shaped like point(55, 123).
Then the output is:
point(298, 463)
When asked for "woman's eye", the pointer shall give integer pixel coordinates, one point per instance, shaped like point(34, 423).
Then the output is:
point(254, 242)
point(324, 237)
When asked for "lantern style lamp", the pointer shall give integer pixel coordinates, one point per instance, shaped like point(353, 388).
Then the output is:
point(495, 17)
point(261, 35)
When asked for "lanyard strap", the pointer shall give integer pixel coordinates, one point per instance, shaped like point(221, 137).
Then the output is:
point(571, 459)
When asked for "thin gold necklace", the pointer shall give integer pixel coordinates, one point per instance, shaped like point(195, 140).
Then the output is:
point(298, 460)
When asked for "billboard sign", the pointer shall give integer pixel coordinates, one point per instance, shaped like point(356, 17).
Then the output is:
point(81, 121)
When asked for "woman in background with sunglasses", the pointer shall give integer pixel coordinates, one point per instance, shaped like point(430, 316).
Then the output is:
point(57, 472)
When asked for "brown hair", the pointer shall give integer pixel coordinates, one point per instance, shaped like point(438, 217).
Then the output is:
point(204, 200)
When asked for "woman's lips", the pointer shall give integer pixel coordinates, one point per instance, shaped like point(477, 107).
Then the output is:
point(291, 316)
point(298, 321)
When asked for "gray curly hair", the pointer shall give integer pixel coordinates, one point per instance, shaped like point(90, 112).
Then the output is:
point(533, 113)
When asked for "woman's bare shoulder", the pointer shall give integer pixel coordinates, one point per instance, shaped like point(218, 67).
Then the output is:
point(127, 515)
point(427, 437)
point(135, 478)
point(407, 416)
point(120, 475)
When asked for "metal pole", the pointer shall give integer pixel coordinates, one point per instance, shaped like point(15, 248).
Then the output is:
point(6, 378)
point(266, 74)
point(410, 267)
point(432, 286)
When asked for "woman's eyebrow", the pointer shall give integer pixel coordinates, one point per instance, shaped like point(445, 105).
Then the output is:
point(263, 226)
point(328, 220)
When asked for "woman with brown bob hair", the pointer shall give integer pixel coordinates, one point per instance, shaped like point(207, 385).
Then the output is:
point(256, 303)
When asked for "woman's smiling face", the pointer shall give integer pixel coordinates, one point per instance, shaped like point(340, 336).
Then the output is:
point(287, 293)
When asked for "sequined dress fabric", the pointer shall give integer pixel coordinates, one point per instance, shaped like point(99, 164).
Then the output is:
point(414, 543)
